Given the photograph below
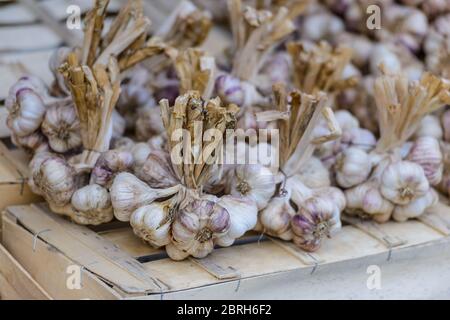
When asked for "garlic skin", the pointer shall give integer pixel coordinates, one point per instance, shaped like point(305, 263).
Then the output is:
point(254, 181)
point(108, 164)
point(353, 167)
point(426, 152)
point(230, 89)
point(198, 224)
point(315, 220)
point(403, 182)
point(54, 177)
point(157, 170)
point(153, 222)
point(92, 204)
point(129, 193)
point(243, 217)
point(416, 207)
point(58, 57)
point(366, 200)
point(62, 128)
point(33, 143)
point(26, 111)
point(346, 120)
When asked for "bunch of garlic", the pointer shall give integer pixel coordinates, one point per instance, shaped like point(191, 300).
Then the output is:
point(165, 199)
point(395, 179)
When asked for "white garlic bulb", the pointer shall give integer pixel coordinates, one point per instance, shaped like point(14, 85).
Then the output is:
point(314, 174)
point(243, 217)
point(93, 204)
point(383, 54)
point(26, 112)
point(58, 57)
point(62, 128)
point(426, 152)
point(153, 222)
point(321, 25)
point(403, 181)
point(416, 207)
point(55, 178)
point(149, 123)
point(157, 170)
point(109, 164)
point(119, 124)
point(366, 200)
point(353, 167)
point(129, 193)
point(276, 218)
point(346, 120)
point(254, 181)
point(197, 225)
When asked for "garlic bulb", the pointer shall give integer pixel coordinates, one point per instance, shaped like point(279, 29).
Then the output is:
point(129, 193)
point(243, 217)
point(366, 200)
point(431, 127)
point(427, 153)
point(276, 218)
point(108, 164)
point(445, 119)
point(316, 219)
point(55, 179)
point(358, 137)
point(198, 224)
point(34, 143)
point(321, 25)
point(92, 204)
point(232, 90)
point(254, 181)
point(26, 112)
point(62, 128)
point(314, 174)
point(346, 120)
point(119, 125)
point(153, 222)
point(403, 182)
point(353, 167)
point(384, 54)
point(58, 57)
point(416, 207)
point(157, 170)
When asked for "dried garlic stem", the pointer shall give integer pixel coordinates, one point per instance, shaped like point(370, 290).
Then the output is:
point(402, 106)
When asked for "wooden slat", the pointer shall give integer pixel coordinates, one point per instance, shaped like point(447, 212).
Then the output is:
point(210, 265)
point(29, 37)
point(49, 266)
point(375, 230)
point(88, 249)
point(15, 281)
point(305, 257)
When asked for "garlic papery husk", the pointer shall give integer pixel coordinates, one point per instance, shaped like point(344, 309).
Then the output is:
point(276, 218)
point(109, 164)
point(62, 128)
point(26, 112)
point(365, 200)
point(254, 181)
point(315, 220)
point(243, 217)
point(92, 205)
point(129, 193)
point(157, 170)
point(415, 208)
point(430, 126)
point(403, 181)
point(54, 177)
point(426, 152)
point(353, 167)
point(314, 174)
point(153, 222)
point(197, 225)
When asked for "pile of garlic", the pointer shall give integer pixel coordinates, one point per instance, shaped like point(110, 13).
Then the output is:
point(395, 179)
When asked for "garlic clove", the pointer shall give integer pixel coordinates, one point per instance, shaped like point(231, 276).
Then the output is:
point(93, 203)
point(129, 193)
point(403, 181)
point(174, 253)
